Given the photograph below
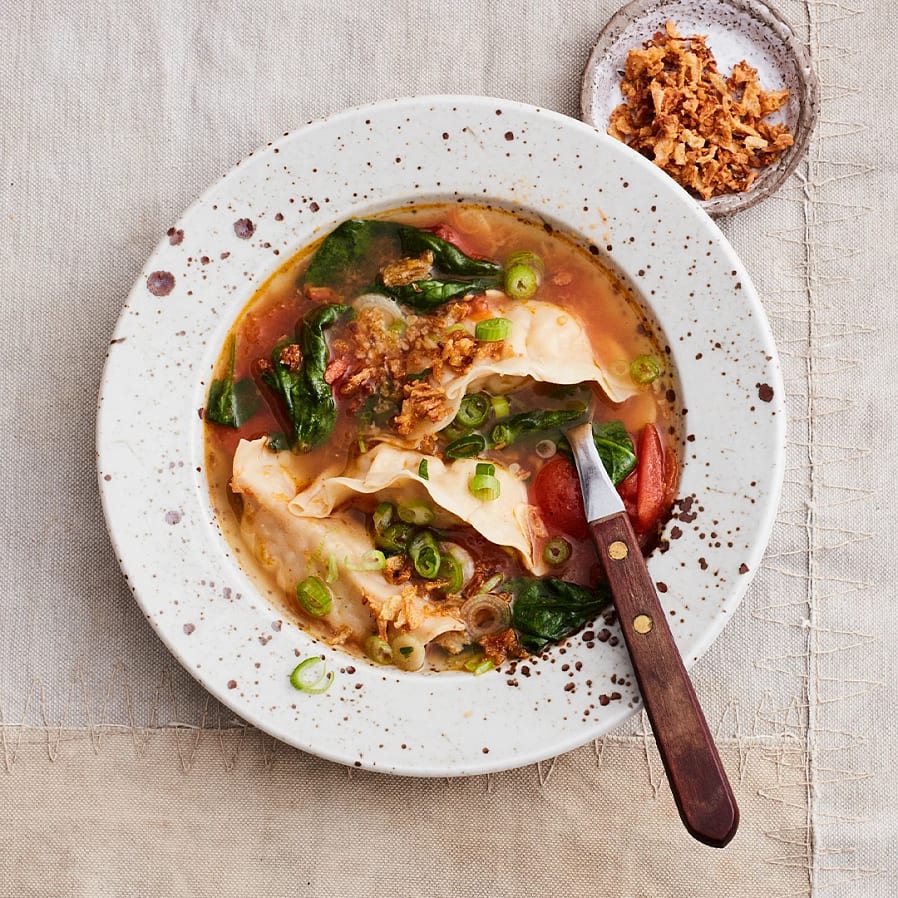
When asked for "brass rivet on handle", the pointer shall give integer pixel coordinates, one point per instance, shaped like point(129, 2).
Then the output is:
point(618, 550)
point(642, 623)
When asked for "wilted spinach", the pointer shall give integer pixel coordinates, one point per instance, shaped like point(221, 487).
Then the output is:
point(615, 449)
point(353, 254)
point(545, 610)
point(307, 395)
point(232, 403)
point(510, 431)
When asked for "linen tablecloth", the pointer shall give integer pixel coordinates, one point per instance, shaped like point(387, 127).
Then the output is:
point(119, 775)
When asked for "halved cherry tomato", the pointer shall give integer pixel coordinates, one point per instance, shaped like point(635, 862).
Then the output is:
point(627, 491)
point(556, 490)
point(650, 483)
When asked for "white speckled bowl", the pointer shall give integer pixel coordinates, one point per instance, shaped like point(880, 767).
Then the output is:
point(150, 440)
point(736, 30)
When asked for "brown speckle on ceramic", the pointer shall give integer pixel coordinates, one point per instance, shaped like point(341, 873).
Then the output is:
point(185, 575)
point(244, 228)
point(161, 283)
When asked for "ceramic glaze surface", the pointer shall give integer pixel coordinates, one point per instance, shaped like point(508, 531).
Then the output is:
point(425, 150)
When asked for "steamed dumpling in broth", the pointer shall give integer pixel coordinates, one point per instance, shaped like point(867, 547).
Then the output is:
point(386, 430)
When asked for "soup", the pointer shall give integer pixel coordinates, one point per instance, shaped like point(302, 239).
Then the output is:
point(385, 435)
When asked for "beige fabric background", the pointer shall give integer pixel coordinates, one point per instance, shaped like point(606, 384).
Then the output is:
point(120, 776)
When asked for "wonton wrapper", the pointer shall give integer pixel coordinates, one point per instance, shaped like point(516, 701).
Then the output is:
point(547, 344)
point(292, 547)
point(392, 475)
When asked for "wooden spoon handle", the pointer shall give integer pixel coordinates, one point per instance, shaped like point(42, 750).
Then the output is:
point(697, 779)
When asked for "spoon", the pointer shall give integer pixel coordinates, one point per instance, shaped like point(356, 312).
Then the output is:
point(697, 779)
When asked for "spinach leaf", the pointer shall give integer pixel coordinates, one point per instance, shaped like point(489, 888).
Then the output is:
point(422, 296)
point(232, 403)
point(615, 449)
point(545, 610)
point(351, 257)
point(507, 432)
point(307, 395)
point(348, 253)
point(447, 258)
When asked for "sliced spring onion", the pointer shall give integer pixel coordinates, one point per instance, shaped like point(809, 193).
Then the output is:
point(556, 551)
point(398, 327)
point(485, 615)
point(408, 652)
point(546, 448)
point(363, 446)
point(425, 554)
point(485, 487)
point(312, 676)
point(378, 650)
point(485, 468)
point(492, 330)
point(332, 570)
point(422, 470)
point(500, 406)
point(473, 410)
point(395, 538)
point(645, 369)
point(451, 571)
point(372, 560)
point(415, 511)
point(525, 257)
point(463, 557)
point(466, 446)
point(521, 281)
point(314, 596)
point(383, 516)
point(478, 665)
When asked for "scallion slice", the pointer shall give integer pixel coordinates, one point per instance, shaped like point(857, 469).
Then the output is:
point(525, 257)
point(485, 487)
point(545, 448)
point(312, 676)
point(408, 652)
point(500, 406)
point(473, 410)
point(395, 538)
point(372, 560)
point(378, 650)
point(492, 330)
point(521, 281)
point(314, 596)
point(479, 666)
point(466, 446)
point(556, 551)
point(486, 614)
point(490, 584)
point(332, 570)
point(422, 470)
point(485, 468)
point(383, 517)
point(425, 554)
point(415, 511)
point(451, 571)
point(645, 369)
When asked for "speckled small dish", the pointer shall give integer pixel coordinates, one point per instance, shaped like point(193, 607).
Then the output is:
point(736, 30)
point(155, 495)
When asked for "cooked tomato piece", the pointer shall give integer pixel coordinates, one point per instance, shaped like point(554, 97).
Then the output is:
point(651, 483)
point(627, 490)
point(556, 491)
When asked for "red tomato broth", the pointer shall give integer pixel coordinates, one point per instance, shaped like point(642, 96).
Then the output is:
point(574, 279)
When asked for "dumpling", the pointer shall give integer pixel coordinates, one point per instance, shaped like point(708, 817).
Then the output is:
point(565, 357)
point(292, 547)
point(392, 475)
